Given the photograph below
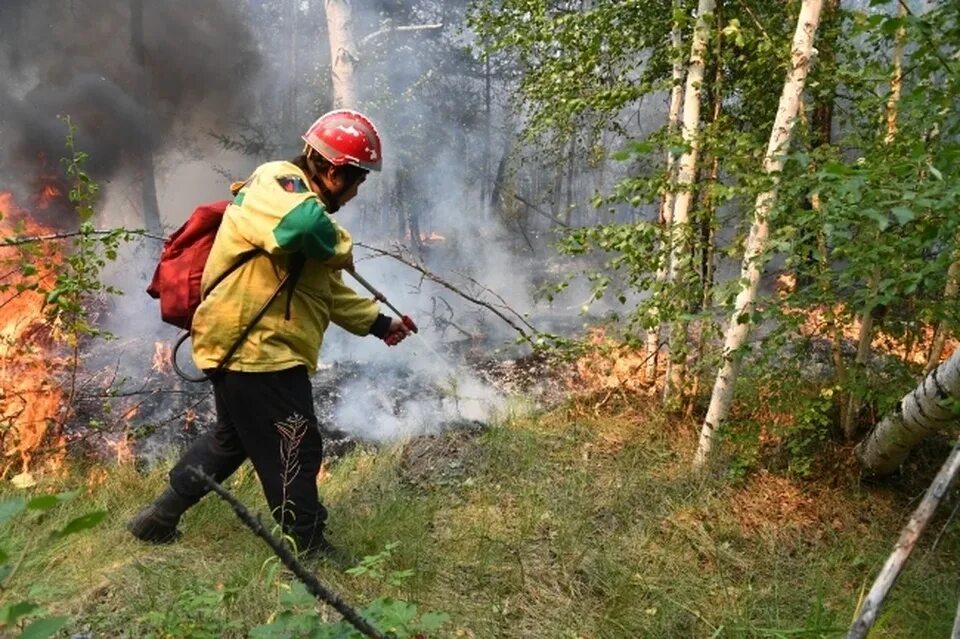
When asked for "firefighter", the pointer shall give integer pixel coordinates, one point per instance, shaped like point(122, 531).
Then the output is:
point(263, 394)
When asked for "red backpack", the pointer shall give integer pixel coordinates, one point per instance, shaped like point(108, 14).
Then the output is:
point(176, 281)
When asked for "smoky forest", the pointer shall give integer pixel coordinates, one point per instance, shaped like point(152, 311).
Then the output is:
point(590, 319)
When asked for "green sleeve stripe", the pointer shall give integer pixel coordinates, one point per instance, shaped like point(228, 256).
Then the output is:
point(238, 199)
point(307, 228)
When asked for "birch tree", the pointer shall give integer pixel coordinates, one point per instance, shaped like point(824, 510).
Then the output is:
point(680, 263)
point(928, 408)
point(666, 204)
point(343, 52)
point(950, 292)
point(780, 137)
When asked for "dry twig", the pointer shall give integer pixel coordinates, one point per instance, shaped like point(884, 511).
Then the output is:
point(397, 255)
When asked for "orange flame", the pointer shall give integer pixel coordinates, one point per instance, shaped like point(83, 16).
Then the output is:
point(48, 193)
point(611, 366)
point(30, 412)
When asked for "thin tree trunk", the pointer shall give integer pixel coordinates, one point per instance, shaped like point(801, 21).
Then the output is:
point(918, 414)
point(665, 216)
point(865, 336)
point(487, 123)
point(955, 634)
point(704, 330)
point(289, 106)
point(558, 191)
point(148, 178)
point(780, 137)
point(680, 263)
point(943, 328)
point(343, 52)
point(905, 544)
point(571, 156)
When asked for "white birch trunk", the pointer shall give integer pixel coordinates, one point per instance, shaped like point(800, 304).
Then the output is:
point(943, 329)
point(905, 545)
point(955, 634)
point(343, 52)
point(780, 137)
point(686, 173)
point(666, 206)
point(919, 413)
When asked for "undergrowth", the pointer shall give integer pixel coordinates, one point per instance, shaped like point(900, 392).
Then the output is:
point(583, 522)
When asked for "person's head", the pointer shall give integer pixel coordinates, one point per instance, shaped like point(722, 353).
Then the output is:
point(341, 147)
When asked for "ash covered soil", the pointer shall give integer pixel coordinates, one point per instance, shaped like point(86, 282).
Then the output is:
point(149, 418)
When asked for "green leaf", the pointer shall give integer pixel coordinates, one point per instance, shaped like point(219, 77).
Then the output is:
point(431, 621)
point(10, 614)
point(297, 597)
point(41, 628)
point(11, 508)
point(83, 522)
point(46, 502)
point(903, 214)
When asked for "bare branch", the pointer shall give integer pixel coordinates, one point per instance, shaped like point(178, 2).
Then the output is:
point(542, 212)
point(389, 29)
point(442, 282)
point(908, 539)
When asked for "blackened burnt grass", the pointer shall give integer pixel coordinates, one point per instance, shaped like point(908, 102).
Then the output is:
point(582, 522)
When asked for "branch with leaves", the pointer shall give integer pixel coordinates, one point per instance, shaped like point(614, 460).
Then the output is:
point(121, 233)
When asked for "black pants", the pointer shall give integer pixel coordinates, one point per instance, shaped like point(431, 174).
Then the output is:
point(269, 418)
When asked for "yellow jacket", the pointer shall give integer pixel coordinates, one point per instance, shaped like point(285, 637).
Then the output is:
point(276, 212)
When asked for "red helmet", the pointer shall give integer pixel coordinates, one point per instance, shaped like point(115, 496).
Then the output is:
point(345, 137)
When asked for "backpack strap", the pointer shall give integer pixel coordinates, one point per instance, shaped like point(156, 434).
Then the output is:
point(243, 259)
point(289, 282)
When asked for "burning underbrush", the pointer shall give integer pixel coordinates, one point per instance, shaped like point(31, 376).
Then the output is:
point(32, 365)
point(145, 416)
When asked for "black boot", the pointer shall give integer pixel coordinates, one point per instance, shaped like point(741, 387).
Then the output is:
point(341, 558)
point(157, 523)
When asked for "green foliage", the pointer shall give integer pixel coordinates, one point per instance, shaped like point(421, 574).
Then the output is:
point(300, 619)
point(865, 219)
point(576, 65)
point(195, 613)
point(29, 619)
point(78, 281)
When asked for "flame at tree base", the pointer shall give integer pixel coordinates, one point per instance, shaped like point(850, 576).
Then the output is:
point(31, 398)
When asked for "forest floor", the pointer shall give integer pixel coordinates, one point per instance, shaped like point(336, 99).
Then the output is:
point(584, 521)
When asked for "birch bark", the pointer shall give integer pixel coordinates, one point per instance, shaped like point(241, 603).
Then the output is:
point(680, 263)
point(920, 412)
point(666, 205)
point(780, 136)
point(905, 545)
point(343, 52)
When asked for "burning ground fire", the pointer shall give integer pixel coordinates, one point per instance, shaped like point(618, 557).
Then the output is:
point(815, 323)
point(30, 396)
point(610, 365)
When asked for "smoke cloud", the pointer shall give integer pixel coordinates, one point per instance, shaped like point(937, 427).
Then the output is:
point(124, 72)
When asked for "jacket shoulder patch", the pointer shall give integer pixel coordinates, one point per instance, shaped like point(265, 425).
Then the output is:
point(292, 184)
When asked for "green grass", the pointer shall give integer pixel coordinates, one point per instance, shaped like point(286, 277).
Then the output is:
point(562, 525)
